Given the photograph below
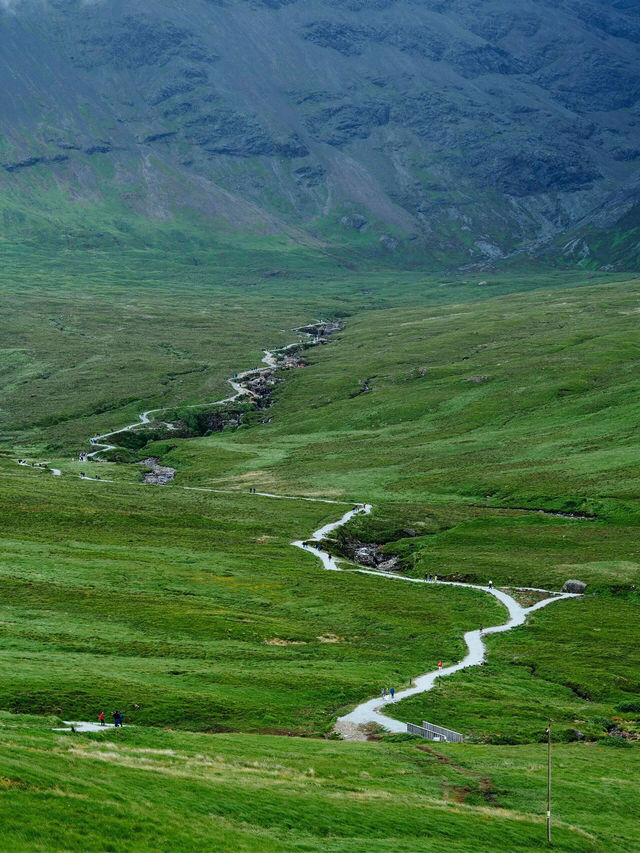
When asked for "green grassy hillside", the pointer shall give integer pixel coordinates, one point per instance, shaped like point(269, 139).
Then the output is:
point(495, 436)
point(143, 789)
point(477, 470)
point(196, 607)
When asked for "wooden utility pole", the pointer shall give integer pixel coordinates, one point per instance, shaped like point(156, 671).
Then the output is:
point(549, 784)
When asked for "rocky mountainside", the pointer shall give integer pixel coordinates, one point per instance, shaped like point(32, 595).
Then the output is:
point(460, 130)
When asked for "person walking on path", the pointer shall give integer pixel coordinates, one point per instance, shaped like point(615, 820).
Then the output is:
point(440, 665)
point(101, 718)
point(393, 693)
point(490, 584)
point(117, 719)
point(383, 693)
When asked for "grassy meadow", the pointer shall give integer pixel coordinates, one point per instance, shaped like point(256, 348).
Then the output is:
point(147, 789)
point(494, 429)
point(196, 607)
point(527, 477)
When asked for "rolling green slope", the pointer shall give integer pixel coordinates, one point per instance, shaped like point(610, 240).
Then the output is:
point(496, 438)
point(140, 789)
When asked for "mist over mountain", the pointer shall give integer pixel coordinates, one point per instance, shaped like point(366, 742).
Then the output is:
point(457, 130)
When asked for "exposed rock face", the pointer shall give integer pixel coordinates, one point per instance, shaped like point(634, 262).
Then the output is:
point(370, 554)
point(574, 586)
point(159, 475)
point(404, 120)
point(262, 384)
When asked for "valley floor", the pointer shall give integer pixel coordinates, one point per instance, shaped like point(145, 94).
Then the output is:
point(186, 606)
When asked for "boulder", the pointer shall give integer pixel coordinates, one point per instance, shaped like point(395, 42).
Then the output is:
point(574, 586)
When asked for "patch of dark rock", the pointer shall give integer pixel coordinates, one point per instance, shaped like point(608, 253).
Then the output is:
point(369, 554)
point(340, 37)
point(483, 59)
point(574, 586)
point(340, 124)
point(177, 87)
point(34, 161)
point(309, 176)
point(136, 41)
point(197, 74)
point(235, 134)
point(160, 137)
point(355, 221)
point(159, 475)
point(476, 379)
point(292, 147)
point(102, 148)
point(388, 242)
point(262, 384)
point(533, 169)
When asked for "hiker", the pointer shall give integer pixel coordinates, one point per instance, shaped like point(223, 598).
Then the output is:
point(330, 556)
point(427, 577)
point(393, 693)
point(435, 578)
point(97, 477)
point(383, 693)
point(440, 664)
point(121, 718)
point(116, 718)
point(490, 584)
point(101, 718)
point(82, 475)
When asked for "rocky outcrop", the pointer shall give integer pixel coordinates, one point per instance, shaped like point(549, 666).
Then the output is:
point(369, 554)
point(574, 586)
point(262, 384)
point(341, 124)
point(159, 475)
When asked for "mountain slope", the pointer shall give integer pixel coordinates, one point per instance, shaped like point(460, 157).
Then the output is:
point(457, 131)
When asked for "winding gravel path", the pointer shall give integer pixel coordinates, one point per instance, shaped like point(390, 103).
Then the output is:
point(369, 711)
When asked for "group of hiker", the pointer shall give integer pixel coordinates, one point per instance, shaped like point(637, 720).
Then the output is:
point(388, 693)
point(429, 578)
point(33, 464)
point(118, 719)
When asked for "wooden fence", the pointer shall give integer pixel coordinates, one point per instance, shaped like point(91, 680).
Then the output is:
point(431, 732)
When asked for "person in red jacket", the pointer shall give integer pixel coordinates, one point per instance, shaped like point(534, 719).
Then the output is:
point(101, 718)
